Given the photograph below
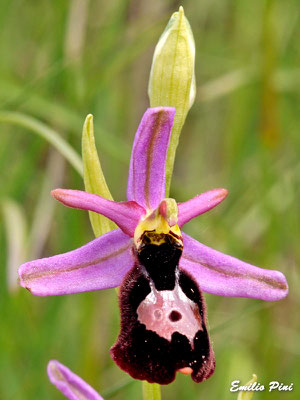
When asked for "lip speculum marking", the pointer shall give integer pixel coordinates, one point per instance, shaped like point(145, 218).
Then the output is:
point(167, 311)
point(163, 317)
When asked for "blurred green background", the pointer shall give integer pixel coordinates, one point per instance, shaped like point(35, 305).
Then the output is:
point(61, 60)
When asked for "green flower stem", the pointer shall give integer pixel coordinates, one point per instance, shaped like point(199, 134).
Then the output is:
point(178, 123)
point(45, 132)
point(151, 391)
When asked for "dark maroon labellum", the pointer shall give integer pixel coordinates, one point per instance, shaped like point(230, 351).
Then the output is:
point(163, 319)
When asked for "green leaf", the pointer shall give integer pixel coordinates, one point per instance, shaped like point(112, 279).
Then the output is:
point(16, 235)
point(93, 176)
point(113, 390)
point(45, 132)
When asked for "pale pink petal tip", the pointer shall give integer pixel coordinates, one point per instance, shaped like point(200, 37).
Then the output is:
point(70, 384)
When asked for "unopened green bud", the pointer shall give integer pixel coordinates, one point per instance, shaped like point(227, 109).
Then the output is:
point(172, 77)
point(247, 395)
point(94, 180)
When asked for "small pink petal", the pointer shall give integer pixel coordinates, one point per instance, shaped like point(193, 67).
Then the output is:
point(199, 205)
point(125, 214)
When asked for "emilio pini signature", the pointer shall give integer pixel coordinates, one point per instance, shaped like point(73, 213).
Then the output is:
point(258, 387)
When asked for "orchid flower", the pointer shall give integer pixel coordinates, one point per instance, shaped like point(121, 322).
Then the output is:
point(70, 384)
point(114, 259)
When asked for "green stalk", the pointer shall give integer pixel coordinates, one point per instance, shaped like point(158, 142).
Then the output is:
point(151, 391)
